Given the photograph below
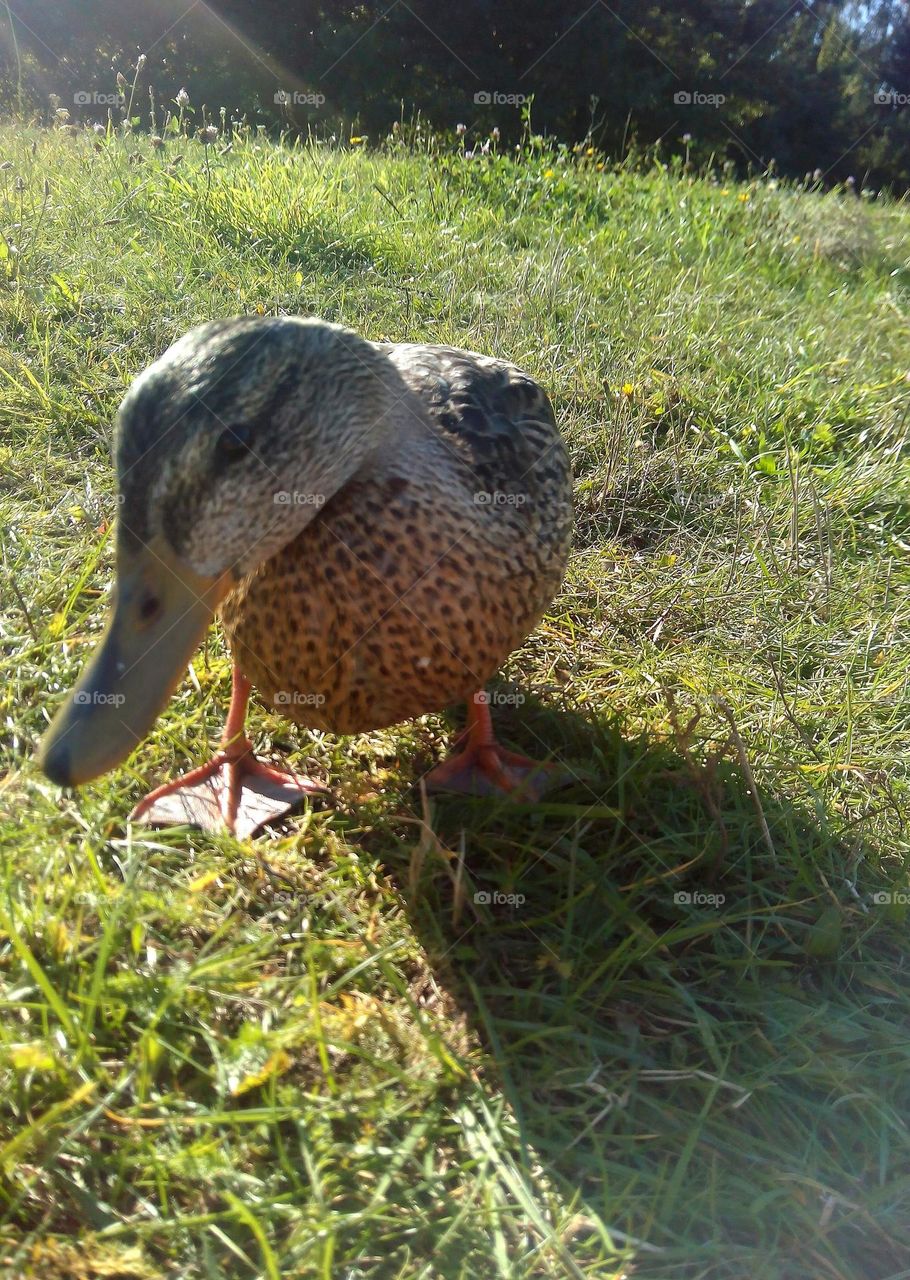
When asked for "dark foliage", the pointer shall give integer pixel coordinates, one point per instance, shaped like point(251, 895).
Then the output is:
point(814, 85)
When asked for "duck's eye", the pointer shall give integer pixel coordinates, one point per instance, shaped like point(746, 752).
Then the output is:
point(233, 442)
point(149, 607)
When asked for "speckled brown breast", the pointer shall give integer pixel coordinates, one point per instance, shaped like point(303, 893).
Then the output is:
point(417, 579)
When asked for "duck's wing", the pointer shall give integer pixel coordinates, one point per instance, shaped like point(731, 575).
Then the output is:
point(500, 423)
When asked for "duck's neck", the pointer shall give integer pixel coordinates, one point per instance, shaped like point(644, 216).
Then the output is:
point(355, 424)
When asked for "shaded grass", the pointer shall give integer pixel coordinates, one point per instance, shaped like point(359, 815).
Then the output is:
point(322, 1053)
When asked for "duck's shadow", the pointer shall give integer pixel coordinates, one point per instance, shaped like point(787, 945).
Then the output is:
point(637, 951)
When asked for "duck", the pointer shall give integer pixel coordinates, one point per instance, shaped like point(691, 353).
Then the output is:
point(378, 526)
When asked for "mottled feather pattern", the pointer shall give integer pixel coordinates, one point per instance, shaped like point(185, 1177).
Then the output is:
point(428, 567)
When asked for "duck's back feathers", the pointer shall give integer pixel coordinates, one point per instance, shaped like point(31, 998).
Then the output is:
point(499, 422)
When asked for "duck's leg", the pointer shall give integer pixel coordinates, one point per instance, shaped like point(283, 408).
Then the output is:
point(481, 767)
point(233, 790)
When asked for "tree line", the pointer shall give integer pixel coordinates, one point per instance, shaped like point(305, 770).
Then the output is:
point(814, 86)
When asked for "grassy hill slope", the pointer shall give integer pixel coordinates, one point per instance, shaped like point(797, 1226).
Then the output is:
point(682, 1049)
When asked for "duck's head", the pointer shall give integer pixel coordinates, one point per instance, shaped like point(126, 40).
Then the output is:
point(225, 448)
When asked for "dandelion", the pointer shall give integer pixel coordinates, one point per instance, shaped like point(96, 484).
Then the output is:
point(628, 389)
point(548, 173)
point(99, 130)
point(358, 139)
point(182, 99)
point(687, 138)
point(817, 175)
point(157, 141)
point(208, 135)
point(396, 127)
point(851, 181)
point(485, 149)
point(494, 133)
point(724, 191)
point(141, 61)
point(62, 115)
point(461, 130)
point(589, 151)
point(743, 197)
point(121, 81)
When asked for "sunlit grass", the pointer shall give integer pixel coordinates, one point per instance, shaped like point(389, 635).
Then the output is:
point(318, 1054)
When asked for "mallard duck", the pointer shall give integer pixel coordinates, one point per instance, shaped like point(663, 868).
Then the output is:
point(378, 524)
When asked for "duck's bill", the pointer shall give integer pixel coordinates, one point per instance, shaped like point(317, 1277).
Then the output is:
point(160, 613)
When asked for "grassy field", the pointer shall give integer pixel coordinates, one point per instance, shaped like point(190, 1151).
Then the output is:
point(682, 1047)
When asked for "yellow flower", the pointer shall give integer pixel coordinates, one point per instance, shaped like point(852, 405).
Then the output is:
point(599, 168)
point(724, 191)
point(356, 141)
point(627, 388)
point(548, 173)
point(590, 151)
point(743, 197)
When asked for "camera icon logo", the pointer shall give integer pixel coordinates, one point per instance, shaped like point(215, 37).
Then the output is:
point(282, 98)
point(682, 98)
point(81, 98)
point(482, 898)
point(483, 97)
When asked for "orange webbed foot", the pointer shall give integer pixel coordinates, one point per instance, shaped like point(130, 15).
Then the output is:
point(481, 767)
point(233, 791)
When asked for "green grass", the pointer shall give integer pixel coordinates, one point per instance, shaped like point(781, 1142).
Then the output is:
point(316, 1054)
